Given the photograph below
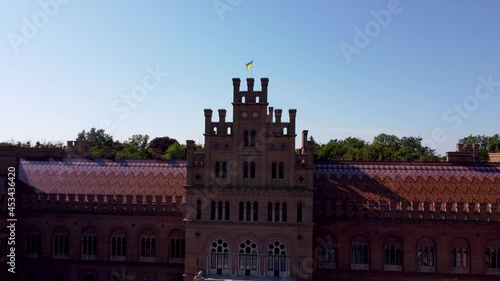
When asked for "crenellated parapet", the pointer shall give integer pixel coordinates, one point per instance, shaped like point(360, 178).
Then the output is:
point(250, 95)
point(418, 210)
point(217, 128)
point(99, 203)
point(276, 126)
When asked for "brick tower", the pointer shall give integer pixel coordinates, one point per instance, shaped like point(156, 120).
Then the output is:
point(249, 194)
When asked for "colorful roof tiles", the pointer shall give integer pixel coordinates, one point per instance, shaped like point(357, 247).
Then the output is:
point(105, 177)
point(432, 182)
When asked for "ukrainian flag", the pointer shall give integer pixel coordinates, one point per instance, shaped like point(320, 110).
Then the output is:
point(249, 65)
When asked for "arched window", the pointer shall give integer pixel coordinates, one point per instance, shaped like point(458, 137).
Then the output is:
point(273, 170)
point(277, 259)
point(212, 210)
point(299, 212)
point(252, 170)
point(245, 170)
point(224, 169)
point(220, 210)
point(242, 211)
point(460, 256)
point(269, 212)
point(217, 169)
point(33, 243)
point(426, 255)
point(492, 257)
point(227, 211)
point(148, 247)
point(277, 212)
point(360, 253)
point(177, 249)
point(392, 254)
point(89, 244)
point(255, 211)
point(219, 257)
point(248, 210)
point(245, 138)
point(252, 139)
point(61, 243)
point(284, 213)
point(281, 173)
point(248, 213)
point(248, 259)
point(119, 245)
point(327, 255)
point(198, 209)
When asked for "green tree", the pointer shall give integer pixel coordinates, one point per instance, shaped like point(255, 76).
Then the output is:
point(98, 140)
point(162, 142)
point(49, 144)
point(136, 147)
point(487, 144)
point(383, 148)
point(175, 151)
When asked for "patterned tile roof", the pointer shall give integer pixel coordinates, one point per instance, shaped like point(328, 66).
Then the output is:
point(105, 177)
point(432, 182)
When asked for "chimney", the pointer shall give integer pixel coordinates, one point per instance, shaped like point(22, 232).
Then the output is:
point(108, 152)
point(304, 140)
point(78, 149)
point(157, 153)
point(208, 121)
point(464, 153)
point(475, 152)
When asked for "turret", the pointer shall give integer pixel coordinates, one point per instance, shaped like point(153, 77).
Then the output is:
point(208, 122)
point(236, 90)
point(277, 114)
point(264, 82)
point(222, 116)
point(304, 142)
point(250, 83)
point(190, 152)
point(292, 113)
point(270, 115)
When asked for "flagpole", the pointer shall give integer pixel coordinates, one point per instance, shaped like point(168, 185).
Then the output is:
point(252, 68)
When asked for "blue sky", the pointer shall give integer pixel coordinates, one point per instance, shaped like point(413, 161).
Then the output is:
point(422, 69)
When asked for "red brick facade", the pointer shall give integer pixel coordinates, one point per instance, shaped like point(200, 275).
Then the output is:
point(250, 206)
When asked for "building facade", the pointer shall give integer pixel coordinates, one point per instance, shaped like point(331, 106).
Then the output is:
point(251, 206)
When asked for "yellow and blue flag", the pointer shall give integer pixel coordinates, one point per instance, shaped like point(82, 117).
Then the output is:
point(249, 65)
